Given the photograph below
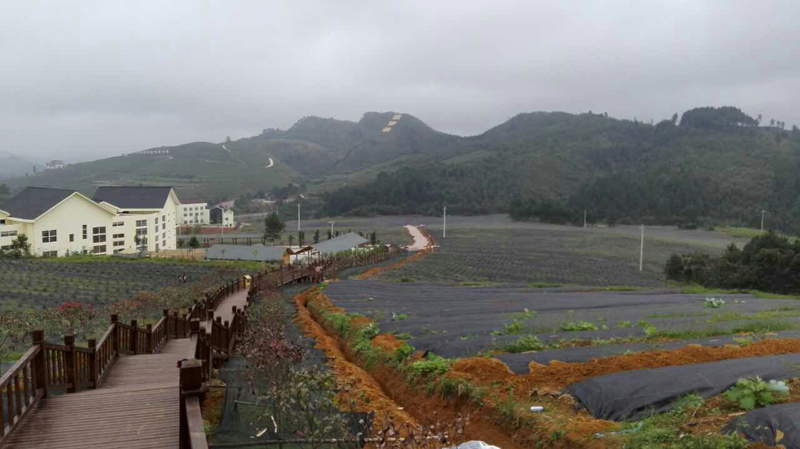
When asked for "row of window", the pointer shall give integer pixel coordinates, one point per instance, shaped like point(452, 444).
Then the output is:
point(8, 234)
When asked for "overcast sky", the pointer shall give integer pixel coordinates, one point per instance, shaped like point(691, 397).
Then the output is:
point(89, 79)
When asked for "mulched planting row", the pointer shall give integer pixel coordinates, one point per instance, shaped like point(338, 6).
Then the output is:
point(461, 321)
point(640, 393)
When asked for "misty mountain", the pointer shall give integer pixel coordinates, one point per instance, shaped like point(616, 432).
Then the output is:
point(12, 165)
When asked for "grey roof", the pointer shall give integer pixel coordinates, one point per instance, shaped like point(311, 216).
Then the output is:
point(341, 243)
point(256, 252)
point(34, 201)
point(133, 197)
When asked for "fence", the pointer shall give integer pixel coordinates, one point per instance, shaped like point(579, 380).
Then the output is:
point(71, 368)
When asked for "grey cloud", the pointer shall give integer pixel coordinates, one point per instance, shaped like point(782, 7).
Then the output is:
point(99, 78)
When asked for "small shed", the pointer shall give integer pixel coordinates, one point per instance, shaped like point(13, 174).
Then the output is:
point(345, 242)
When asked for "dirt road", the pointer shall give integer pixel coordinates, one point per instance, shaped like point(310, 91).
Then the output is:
point(420, 241)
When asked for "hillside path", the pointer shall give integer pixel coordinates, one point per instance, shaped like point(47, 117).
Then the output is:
point(420, 241)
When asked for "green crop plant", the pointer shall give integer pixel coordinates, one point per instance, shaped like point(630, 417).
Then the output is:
point(714, 303)
point(525, 344)
point(525, 315)
point(399, 316)
point(749, 393)
point(574, 326)
point(624, 324)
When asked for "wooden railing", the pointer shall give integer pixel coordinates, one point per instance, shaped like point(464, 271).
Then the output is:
point(50, 366)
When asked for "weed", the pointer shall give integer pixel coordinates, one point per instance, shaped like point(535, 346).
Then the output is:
point(625, 324)
point(433, 366)
point(399, 316)
point(714, 303)
point(403, 336)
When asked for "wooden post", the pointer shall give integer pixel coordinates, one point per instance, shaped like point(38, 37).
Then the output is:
point(185, 325)
point(115, 335)
point(40, 363)
point(134, 338)
point(191, 384)
point(93, 363)
point(166, 323)
point(215, 339)
point(69, 363)
point(149, 339)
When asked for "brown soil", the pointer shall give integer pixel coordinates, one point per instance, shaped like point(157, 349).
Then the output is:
point(558, 375)
point(387, 343)
point(361, 390)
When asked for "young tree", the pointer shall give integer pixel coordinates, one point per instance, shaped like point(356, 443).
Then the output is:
point(291, 239)
point(373, 238)
point(316, 236)
point(19, 248)
point(274, 226)
point(194, 243)
point(330, 234)
point(301, 238)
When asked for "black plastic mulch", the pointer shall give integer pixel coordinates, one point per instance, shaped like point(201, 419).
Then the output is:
point(762, 425)
point(463, 321)
point(640, 393)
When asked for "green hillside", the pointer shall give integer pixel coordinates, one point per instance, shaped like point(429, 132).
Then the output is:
point(709, 169)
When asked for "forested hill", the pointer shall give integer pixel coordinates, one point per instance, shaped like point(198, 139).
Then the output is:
point(712, 166)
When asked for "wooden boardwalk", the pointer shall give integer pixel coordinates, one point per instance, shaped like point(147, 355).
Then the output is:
point(137, 405)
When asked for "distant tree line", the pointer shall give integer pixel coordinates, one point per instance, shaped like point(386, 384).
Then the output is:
point(769, 263)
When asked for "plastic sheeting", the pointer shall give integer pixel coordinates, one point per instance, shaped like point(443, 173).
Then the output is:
point(637, 394)
point(763, 425)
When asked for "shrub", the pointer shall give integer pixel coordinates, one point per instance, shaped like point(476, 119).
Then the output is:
point(714, 303)
point(752, 392)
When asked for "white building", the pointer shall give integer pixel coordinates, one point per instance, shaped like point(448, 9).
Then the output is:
point(150, 213)
point(192, 213)
point(222, 217)
point(57, 222)
point(54, 165)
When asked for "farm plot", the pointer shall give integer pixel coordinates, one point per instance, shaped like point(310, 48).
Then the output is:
point(465, 321)
point(490, 249)
point(31, 284)
point(633, 361)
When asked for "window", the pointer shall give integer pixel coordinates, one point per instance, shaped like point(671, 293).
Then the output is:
point(99, 249)
point(8, 234)
point(118, 223)
point(119, 236)
point(71, 238)
point(2, 222)
point(141, 223)
point(49, 236)
point(163, 226)
point(99, 234)
point(50, 254)
point(119, 243)
point(164, 244)
point(163, 218)
point(117, 251)
point(142, 231)
point(156, 221)
point(85, 232)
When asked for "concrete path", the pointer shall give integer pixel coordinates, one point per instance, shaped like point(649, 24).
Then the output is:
point(420, 241)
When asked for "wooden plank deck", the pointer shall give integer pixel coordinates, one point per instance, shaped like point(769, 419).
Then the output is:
point(225, 308)
point(137, 406)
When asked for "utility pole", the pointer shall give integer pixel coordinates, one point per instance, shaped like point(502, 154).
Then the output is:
point(762, 220)
point(331, 223)
point(641, 251)
point(584, 218)
point(298, 215)
point(444, 223)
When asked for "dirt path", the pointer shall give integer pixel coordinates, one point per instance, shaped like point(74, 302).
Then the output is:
point(420, 241)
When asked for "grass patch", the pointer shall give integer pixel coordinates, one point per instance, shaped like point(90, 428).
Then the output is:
point(678, 315)
point(545, 285)
point(433, 366)
point(665, 431)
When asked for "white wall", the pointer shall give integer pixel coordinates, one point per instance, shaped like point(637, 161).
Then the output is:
point(194, 214)
point(10, 226)
point(68, 219)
